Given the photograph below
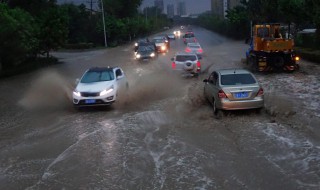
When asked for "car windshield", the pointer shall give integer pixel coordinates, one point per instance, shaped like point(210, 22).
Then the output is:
point(146, 48)
point(97, 76)
point(194, 46)
point(237, 79)
point(158, 40)
point(186, 58)
point(189, 35)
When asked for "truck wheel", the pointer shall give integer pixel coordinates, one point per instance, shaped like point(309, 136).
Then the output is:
point(253, 64)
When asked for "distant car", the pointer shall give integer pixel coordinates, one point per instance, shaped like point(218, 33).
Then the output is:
point(146, 52)
point(186, 63)
point(177, 33)
point(167, 39)
point(194, 48)
point(171, 36)
point(99, 86)
point(161, 44)
point(233, 89)
point(139, 42)
point(189, 37)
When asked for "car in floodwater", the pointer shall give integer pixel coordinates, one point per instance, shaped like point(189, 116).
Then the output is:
point(162, 44)
point(99, 86)
point(189, 37)
point(146, 52)
point(139, 42)
point(233, 89)
point(194, 48)
point(188, 64)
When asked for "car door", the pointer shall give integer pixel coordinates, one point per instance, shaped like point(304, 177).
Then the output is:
point(211, 87)
point(120, 79)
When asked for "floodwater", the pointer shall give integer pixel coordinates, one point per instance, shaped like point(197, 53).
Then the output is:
point(163, 134)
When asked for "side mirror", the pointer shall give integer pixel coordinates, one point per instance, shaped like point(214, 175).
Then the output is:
point(205, 80)
point(77, 81)
point(199, 57)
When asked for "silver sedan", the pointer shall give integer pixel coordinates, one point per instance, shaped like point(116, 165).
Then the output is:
point(233, 89)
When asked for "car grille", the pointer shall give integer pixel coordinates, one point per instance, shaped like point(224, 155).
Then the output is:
point(90, 94)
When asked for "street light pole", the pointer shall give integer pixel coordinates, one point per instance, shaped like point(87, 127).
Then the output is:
point(104, 25)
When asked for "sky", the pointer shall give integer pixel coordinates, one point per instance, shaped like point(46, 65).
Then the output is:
point(193, 6)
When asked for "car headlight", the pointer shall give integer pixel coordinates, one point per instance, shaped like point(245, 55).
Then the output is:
point(136, 44)
point(152, 55)
point(104, 92)
point(76, 93)
point(163, 47)
point(138, 56)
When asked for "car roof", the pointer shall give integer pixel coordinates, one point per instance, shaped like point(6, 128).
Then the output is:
point(146, 44)
point(98, 69)
point(185, 53)
point(159, 38)
point(233, 71)
point(193, 44)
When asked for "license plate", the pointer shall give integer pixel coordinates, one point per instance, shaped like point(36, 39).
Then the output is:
point(90, 101)
point(241, 95)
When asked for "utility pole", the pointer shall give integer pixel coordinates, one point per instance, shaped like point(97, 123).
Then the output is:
point(91, 7)
point(104, 25)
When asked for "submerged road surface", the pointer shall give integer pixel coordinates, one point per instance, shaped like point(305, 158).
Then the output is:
point(164, 135)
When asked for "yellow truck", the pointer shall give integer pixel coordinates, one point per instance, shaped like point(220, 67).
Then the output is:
point(270, 51)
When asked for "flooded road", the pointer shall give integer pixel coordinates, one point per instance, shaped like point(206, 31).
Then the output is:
point(164, 135)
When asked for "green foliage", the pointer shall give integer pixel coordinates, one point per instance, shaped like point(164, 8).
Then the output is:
point(18, 33)
point(53, 23)
point(82, 25)
point(236, 26)
point(122, 8)
point(34, 7)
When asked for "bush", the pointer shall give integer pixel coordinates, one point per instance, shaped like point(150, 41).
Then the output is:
point(308, 54)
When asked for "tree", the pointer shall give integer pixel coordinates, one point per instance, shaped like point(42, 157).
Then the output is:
point(312, 8)
point(122, 8)
point(54, 31)
point(18, 36)
point(34, 7)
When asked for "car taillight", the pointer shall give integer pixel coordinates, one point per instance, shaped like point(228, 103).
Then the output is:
point(200, 50)
point(221, 94)
point(198, 64)
point(173, 65)
point(188, 50)
point(260, 92)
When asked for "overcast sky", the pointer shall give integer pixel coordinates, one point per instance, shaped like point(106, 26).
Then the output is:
point(193, 6)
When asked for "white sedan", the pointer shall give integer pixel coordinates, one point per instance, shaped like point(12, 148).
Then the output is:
point(99, 86)
point(194, 48)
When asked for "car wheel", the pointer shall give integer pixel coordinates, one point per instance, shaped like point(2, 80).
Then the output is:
point(216, 112)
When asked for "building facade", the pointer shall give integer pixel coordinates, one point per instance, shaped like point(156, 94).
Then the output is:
point(159, 4)
point(181, 8)
point(219, 7)
point(170, 10)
